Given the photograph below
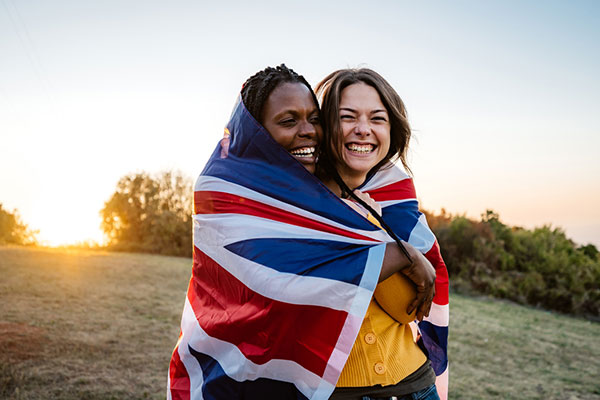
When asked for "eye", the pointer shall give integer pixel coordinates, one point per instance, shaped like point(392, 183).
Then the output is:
point(315, 120)
point(347, 117)
point(287, 122)
point(380, 119)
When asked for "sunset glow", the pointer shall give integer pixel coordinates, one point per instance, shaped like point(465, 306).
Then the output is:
point(502, 98)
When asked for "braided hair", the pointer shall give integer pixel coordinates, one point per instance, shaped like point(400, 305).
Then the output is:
point(258, 87)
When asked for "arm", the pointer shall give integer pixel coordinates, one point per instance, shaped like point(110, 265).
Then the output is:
point(420, 272)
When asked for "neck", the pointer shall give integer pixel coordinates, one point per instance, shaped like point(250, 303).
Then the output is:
point(353, 180)
point(333, 186)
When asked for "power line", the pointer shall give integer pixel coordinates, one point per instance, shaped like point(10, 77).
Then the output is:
point(29, 48)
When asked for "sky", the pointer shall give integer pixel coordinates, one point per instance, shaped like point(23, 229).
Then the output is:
point(502, 96)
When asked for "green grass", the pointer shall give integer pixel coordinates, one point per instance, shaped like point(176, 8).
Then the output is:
point(94, 325)
point(502, 350)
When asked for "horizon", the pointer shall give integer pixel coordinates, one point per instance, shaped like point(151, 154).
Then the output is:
point(502, 98)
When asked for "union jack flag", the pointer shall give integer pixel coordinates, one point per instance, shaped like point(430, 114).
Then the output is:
point(282, 277)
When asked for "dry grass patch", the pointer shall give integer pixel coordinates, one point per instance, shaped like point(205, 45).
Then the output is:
point(93, 325)
point(88, 324)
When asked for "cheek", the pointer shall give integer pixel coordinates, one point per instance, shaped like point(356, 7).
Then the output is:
point(342, 138)
point(385, 141)
point(283, 137)
point(319, 132)
point(346, 130)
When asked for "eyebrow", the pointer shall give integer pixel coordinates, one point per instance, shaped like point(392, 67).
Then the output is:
point(372, 112)
point(284, 112)
point(294, 112)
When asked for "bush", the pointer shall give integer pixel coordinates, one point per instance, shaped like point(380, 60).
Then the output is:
point(151, 214)
point(541, 267)
point(13, 230)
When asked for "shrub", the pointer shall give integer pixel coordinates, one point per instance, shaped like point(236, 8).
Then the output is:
point(541, 267)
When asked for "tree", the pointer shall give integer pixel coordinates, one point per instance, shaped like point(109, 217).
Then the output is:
point(150, 213)
point(13, 230)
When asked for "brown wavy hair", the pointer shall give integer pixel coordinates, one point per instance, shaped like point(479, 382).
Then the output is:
point(330, 91)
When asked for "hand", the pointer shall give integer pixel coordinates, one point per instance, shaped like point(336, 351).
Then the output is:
point(357, 207)
point(422, 274)
point(367, 199)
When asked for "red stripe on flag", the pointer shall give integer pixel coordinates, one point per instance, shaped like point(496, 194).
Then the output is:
point(400, 190)
point(441, 274)
point(262, 328)
point(209, 202)
point(179, 379)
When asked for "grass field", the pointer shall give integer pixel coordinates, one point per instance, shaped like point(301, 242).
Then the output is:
point(93, 325)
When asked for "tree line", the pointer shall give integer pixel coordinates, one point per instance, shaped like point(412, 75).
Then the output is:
point(152, 213)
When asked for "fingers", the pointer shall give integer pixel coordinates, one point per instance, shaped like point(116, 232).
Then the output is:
point(422, 302)
point(418, 301)
point(423, 310)
point(369, 200)
point(426, 306)
point(413, 304)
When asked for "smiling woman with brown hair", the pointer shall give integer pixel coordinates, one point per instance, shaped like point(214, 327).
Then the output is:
point(365, 129)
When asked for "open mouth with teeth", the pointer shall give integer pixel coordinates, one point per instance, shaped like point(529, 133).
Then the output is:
point(303, 152)
point(361, 148)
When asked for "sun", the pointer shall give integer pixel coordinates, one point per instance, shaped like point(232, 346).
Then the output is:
point(56, 230)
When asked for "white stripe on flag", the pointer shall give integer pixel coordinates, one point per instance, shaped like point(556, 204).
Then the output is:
point(234, 363)
point(386, 175)
point(439, 315)
point(388, 203)
point(421, 236)
point(231, 228)
point(354, 321)
point(188, 324)
point(211, 183)
point(283, 286)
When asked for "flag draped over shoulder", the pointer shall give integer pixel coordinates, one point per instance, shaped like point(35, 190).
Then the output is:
point(284, 272)
point(282, 277)
point(394, 190)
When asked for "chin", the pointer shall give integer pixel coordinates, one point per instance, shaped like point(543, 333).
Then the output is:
point(359, 169)
point(310, 168)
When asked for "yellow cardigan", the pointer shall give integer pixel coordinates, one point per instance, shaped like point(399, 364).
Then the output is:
point(384, 352)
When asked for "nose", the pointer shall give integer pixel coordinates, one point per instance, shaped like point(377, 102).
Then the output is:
point(362, 127)
point(307, 129)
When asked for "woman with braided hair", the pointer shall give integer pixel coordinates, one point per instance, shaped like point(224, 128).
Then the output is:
point(273, 91)
point(283, 269)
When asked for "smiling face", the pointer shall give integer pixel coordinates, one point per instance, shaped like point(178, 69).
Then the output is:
point(292, 118)
point(365, 127)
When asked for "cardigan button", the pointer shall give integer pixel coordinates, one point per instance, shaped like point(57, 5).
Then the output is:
point(379, 368)
point(370, 338)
